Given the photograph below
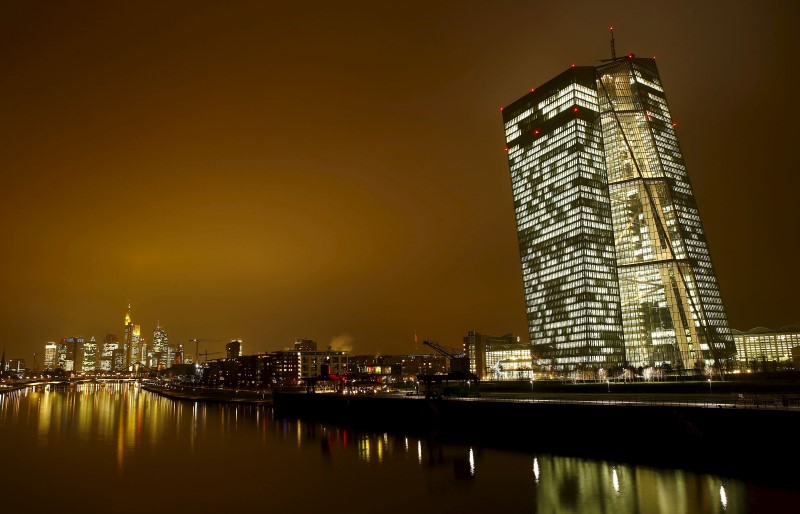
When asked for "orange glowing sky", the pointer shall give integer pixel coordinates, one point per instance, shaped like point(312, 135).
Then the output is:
point(335, 170)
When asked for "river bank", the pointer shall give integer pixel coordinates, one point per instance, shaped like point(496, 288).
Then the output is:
point(753, 443)
point(195, 394)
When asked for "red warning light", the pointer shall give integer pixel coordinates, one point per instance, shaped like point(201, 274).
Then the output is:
point(506, 149)
point(674, 124)
point(533, 89)
point(575, 109)
point(501, 109)
point(573, 65)
point(630, 56)
point(536, 132)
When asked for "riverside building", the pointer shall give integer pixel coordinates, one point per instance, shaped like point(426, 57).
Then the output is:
point(758, 347)
point(615, 264)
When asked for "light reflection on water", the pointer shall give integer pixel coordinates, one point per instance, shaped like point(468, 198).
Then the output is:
point(200, 452)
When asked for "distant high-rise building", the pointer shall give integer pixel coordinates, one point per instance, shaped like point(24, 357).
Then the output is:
point(305, 345)
point(139, 348)
point(50, 356)
point(161, 350)
point(71, 353)
point(178, 358)
point(615, 264)
point(112, 357)
point(88, 354)
point(130, 354)
point(233, 349)
point(15, 365)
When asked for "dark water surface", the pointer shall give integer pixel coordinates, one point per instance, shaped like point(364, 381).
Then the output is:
point(115, 448)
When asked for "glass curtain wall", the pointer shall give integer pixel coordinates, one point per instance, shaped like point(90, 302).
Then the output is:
point(672, 310)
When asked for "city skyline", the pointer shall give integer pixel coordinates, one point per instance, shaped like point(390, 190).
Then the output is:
point(265, 174)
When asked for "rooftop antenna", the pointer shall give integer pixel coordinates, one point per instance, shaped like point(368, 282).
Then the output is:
point(613, 50)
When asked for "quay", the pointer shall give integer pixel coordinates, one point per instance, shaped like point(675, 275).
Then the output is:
point(203, 394)
point(746, 440)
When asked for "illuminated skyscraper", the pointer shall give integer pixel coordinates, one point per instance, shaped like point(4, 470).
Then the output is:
point(128, 344)
point(233, 349)
point(71, 354)
point(50, 356)
point(615, 263)
point(87, 351)
point(161, 350)
point(111, 355)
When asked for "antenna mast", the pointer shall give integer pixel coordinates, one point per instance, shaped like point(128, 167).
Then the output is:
point(613, 50)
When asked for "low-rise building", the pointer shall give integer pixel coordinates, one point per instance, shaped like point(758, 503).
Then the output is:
point(760, 348)
point(498, 357)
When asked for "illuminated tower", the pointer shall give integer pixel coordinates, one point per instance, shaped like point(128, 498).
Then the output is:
point(137, 344)
point(615, 263)
point(50, 356)
point(88, 355)
point(161, 350)
point(233, 349)
point(129, 350)
point(111, 355)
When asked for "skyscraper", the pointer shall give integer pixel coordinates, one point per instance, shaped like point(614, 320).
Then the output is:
point(130, 354)
point(615, 263)
point(233, 349)
point(50, 356)
point(112, 357)
point(161, 351)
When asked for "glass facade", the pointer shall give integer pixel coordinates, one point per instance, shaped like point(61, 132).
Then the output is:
point(615, 262)
point(563, 214)
point(50, 356)
point(161, 351)
point(761, 345)
point(498, 357)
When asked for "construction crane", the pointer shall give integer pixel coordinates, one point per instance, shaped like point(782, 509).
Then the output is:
point(197, 347)
point(458, 359)
point(459, 380)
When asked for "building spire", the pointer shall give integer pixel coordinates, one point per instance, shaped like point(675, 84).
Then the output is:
point(613, 50)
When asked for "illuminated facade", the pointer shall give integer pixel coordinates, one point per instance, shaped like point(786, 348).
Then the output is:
point(87, 355)
point(112, 354)
point(77, 354)
point(233, 349)
point(162, 353)
point(615, 263)
point(498, 357)
point(50, 356)
point(63, 356)
point(128, 343)
point(286, 367)
point(138, 347)
point(311, 363)
point(762, 345)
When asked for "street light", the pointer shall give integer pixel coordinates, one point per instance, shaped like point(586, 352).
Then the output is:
point(608, 384)
point(709, 386)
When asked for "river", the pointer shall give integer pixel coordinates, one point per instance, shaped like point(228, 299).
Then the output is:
point(111, 448)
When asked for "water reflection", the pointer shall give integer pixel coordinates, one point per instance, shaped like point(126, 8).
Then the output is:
point(202, 450)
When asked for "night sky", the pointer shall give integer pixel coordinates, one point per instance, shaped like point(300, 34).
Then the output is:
point(335, 170)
